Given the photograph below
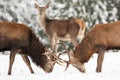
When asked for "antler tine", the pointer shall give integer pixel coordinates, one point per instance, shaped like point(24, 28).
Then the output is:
point(59, 59)
point(61, 52)
point(54, 55)
point(63, 46)
point(68, 62)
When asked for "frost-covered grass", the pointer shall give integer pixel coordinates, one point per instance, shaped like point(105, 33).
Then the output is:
point(110, 71)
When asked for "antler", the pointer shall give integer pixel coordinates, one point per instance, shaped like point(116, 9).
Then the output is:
point(58, 59)
point(67, 62)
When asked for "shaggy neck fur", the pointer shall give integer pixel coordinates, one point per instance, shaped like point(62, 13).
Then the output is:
point(35, 50)
point(84, 50)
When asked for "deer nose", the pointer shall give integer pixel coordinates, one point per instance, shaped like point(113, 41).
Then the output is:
point(83, 71)
point(48, 71)
point(40, 13)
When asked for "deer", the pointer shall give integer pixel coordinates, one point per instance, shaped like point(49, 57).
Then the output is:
point(19, 38)
point(100, 38)
point(56, 30)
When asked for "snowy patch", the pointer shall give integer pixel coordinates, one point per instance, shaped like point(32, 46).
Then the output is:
point(110, 71)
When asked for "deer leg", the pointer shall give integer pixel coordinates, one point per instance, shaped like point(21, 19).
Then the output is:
point(53, 43)
point(81, 34)
point(26, 60)
point(81, 37)
point(74, 41)
point(56, 46)
point(100, 60)
point(12, 57)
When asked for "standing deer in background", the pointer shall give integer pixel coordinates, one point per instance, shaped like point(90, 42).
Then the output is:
point(56, 30)
point(100, 38)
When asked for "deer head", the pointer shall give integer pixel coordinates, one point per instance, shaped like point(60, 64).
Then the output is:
point(74, 61)
point(52, 58)
point(41, 10)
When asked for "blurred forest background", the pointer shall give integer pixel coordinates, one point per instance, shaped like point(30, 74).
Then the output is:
point(91, 11)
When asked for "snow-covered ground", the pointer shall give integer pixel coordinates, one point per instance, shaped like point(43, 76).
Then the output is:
point(110, 71)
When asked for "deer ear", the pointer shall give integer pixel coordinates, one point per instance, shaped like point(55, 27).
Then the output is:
point(36, 5)
point(47, 5)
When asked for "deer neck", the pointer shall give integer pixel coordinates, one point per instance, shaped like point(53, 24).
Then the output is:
point(85, 51)
point(42, 21)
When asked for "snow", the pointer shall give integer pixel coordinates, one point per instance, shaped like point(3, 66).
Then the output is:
point(110, 71)
point(23, 11)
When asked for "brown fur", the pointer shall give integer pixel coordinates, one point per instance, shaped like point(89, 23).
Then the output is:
point(65, 30)
point(19, 38)
point(101, 37)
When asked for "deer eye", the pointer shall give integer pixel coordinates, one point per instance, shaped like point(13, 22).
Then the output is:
point(54, 59)
point(50, 65)
point(74, 65)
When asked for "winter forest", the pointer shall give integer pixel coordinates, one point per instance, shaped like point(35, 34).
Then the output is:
point(91, 11)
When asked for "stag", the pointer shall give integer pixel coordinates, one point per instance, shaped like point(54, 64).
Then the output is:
point(18, 38)
point(100, 38)
point(64, 30)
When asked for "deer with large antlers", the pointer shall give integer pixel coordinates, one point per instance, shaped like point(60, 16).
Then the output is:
point(100, 38)
point(18, 38)
point(56, 30)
